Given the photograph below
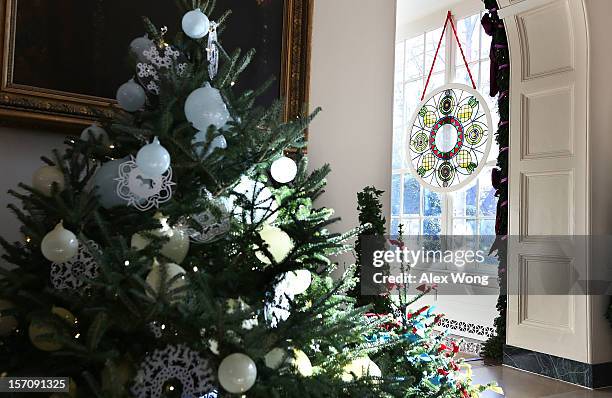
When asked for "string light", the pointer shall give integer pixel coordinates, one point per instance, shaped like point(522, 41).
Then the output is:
point(126, 263)
point(195, 269)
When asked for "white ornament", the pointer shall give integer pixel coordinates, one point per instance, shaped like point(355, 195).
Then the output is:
point(44, 178)
point(59, 245)
point(205, 107)
point(201, 141)
point(153, 159)
point(264, 204)
point(297, 360)
point(178, 362)
point(237, 373)
point(172, 271)
point(139, 45)
point(195, 24)
point(176, 248)
point(359, 368)
point(105, 183)
point(279, 244)
point(283, 170)
point(75, 273)
point(96, 133)
point(140, 190)
point(131, 96)
point(275, 358)
point(295, 282)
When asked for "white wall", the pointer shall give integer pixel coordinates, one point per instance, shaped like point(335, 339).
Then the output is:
point(352, 80)
point(20, 152)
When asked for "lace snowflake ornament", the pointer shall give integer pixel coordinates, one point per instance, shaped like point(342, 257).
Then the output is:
point(159, 61)
point(206, 226)
point(74, 273)
point(140, 190)
point(177, 362)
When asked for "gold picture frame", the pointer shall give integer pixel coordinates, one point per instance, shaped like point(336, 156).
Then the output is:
point(60, 110)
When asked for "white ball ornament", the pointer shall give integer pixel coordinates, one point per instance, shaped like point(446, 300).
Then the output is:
point(105, 182)
point(359, 368)
point(44, 178)
point(283, 170)
point(155, 278)
point(297, 359)
point(139, 45)
point(201, 137)
point(261, 196)
point(275, 358)
point(153, 159)
point(195, 24)
point(59, 245)
point(205, 107)
point(295, 282)
point(237, 373)
point(131, 96)
point(278, 242)
point(95, 132)
point(176, 248)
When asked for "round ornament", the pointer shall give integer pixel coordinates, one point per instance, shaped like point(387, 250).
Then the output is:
point(283, 170)
point(153, 159)
point(105, 182)
point(263, 204)
point(131, 96)
point(74, 273)
point(140, 190)
point(195, 24)
point(237, 373)
point(44, 178)
point(173, 272)
point(449, 138)
point(95, 133)
point(278, 243)
point(175, 248)
point(296, 359)
point(42, 332)
point(59, 245)
point(139, 45)
point(175, 362)
point(359, 368)
point(200, 142)
point(205, 107)
point(295, 282)
point(8, 323)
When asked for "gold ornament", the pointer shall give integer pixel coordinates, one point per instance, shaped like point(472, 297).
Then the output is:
point(43, 332)
point(278, 242)
point(175, 248)
point(154, 279)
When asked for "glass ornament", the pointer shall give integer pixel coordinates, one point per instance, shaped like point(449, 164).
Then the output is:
point(283, 170)
point(195, 24)
point(154, 279)
point(176, 248)
point(96, 133)
point(105, 183)
point(279, 244)
point(139, 45)
point(359, 368)
point(204, 107)
point(201, 141)
point(295, 282)
point(237, 373)
point(264, 203)
point(153, 159)
point(44, 178)
point(131, 96)
point(59, 245)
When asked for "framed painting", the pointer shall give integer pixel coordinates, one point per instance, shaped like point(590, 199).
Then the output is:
point(62, 60)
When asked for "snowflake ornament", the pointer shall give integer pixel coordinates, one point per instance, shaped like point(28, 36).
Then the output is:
point(159, 61)
point(206, 227)
point(140, 190)
point(74, 273)
point(178, 362)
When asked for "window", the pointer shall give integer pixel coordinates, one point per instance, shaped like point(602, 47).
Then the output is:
point(423, 212)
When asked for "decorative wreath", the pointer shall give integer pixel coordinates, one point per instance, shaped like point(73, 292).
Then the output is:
point(449, 138)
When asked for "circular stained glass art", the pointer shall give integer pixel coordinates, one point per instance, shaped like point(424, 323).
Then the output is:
point(449, 138)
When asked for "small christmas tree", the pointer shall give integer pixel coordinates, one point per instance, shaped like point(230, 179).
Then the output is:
point(174, 251)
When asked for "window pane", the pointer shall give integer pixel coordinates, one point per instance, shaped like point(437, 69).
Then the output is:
point(436, 81)
point(462, 76)
point(485, 47)
point(468, 30)
point(433, 38)
point(432, 204)
point(394, 224)
point(398, 148)
point(412, 227)
point(414, 57)
point(395, 194)
point(412, 95)
point(488, 200)
point(399, 61)
point(412, 195)
point(471, 196)
point(431, 226)
point(487, 231)
point(398, 105)
point(464, 227)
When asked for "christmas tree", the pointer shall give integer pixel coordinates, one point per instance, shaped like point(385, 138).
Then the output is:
point(173, 250)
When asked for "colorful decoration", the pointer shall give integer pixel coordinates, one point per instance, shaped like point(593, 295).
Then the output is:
point(74, 273)
point(449, 138)
point(140, 190)
point(174, 363)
